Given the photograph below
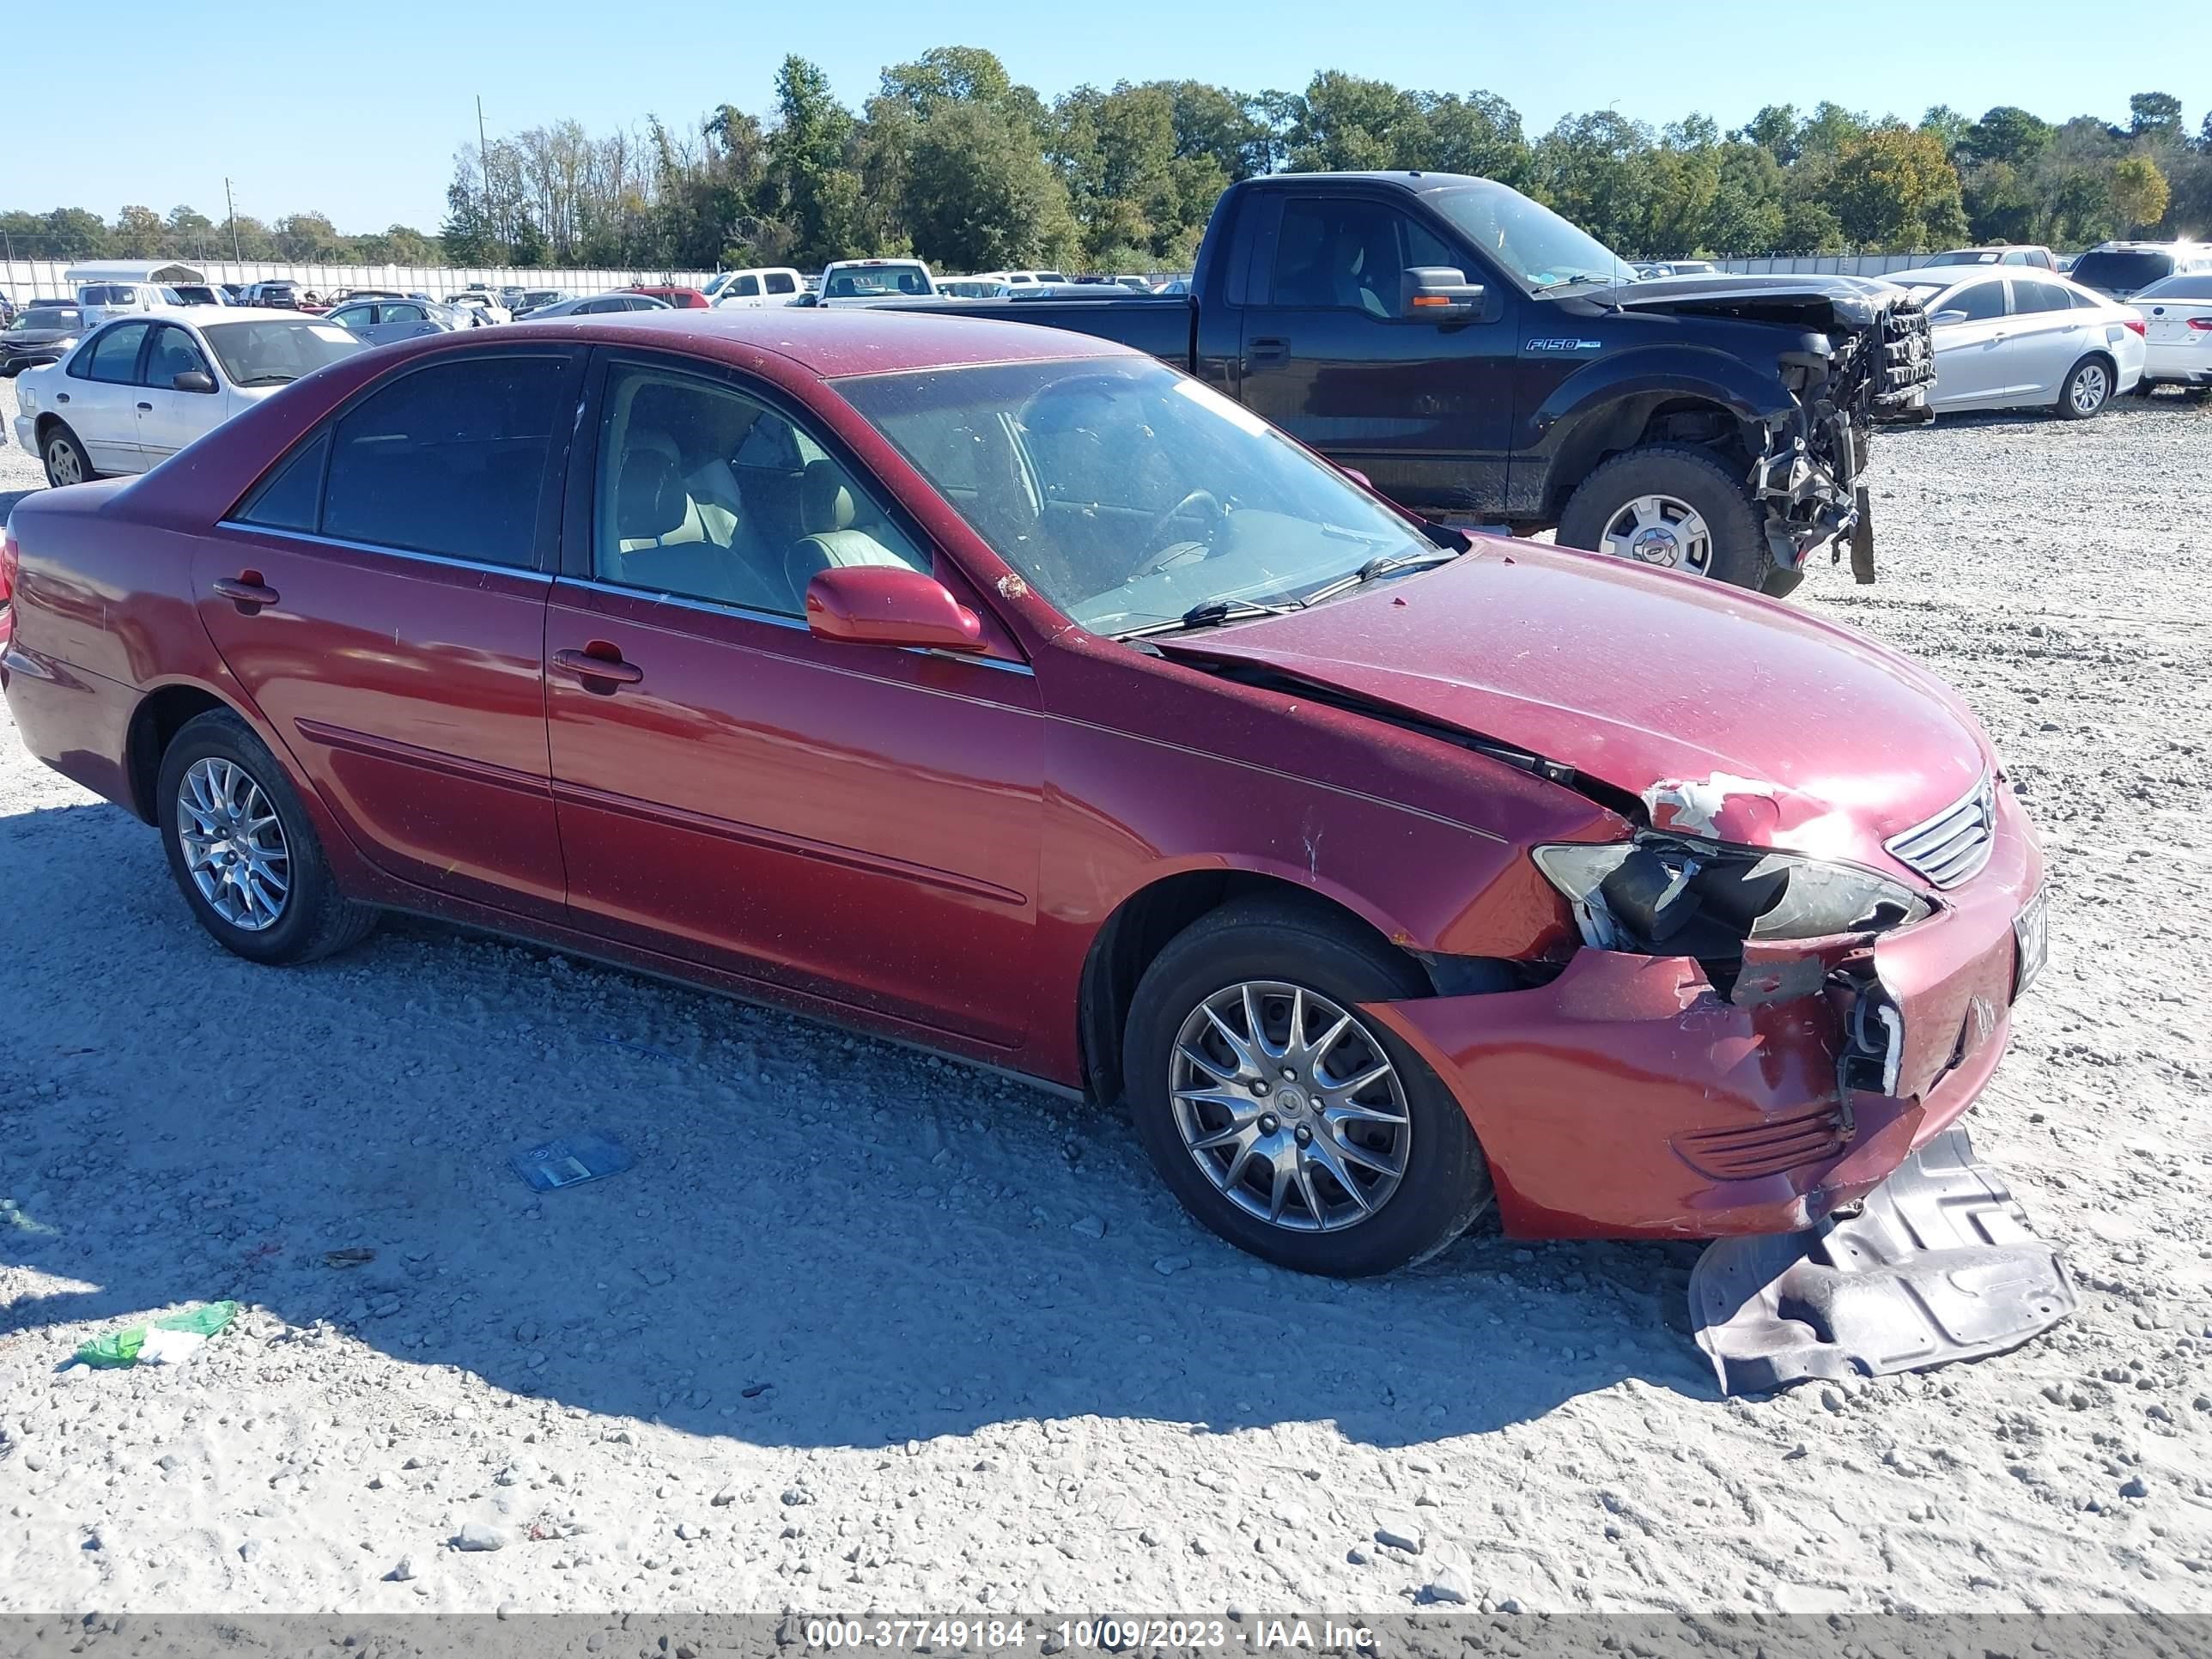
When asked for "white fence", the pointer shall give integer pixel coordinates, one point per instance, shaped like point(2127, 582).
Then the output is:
point(26, 279)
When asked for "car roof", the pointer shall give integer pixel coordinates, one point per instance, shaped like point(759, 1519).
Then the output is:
point(829, 343)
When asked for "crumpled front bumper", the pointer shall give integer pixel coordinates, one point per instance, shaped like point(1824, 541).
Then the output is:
point(1634, 1098)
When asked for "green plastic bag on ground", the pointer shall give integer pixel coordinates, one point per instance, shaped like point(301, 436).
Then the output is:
point(119, 1348)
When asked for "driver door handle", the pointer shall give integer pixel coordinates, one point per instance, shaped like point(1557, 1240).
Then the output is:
point(1268, 350)
point(590, 665)
point(149, 408)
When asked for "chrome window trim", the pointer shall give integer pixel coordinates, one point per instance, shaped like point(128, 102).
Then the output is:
point(318, 540)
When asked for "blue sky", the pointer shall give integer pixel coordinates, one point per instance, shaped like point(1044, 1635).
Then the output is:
point(357, 109)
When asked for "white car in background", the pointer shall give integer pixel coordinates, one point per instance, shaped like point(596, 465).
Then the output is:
point(138, 390)
point(482, 307)
point(2010, 338)
point(848, 279)
point(756, 288)
point(2176, 315)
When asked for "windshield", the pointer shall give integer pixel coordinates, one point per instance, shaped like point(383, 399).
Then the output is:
point(52, 318)
point(2193, 287)
point(1534, 243)
point(2123, 271)
point(1128, 494)
point(272, 353)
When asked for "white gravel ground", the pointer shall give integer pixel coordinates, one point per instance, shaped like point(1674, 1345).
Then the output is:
point(851, 1335)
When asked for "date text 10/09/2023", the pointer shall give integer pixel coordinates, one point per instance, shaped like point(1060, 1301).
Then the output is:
point(1112, 1634)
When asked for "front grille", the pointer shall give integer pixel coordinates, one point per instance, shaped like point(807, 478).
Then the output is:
point(1954, 844)
point(1908, 353)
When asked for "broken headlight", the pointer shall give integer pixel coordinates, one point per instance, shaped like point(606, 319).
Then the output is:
point(1706, 899)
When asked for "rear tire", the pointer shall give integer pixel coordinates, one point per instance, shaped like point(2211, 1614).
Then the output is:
point(1400, 1138)
point(66, 460)
point(2086, 389)
point(1603, 515)
point(243, 850)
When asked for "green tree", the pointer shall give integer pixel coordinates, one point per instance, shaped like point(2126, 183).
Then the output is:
point(1595, 169)
point(807, 151)
point(980, 195)
point(465, 237)
point(2139, 192)
point(138, 234)
point(2008, 134)
point(1774, 130)
point(2157, 117)
point(1892, 188)
point(1746, 211)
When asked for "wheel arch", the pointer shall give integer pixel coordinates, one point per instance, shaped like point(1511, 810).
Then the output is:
point(1143, 923)
point(161, 714)
point(1651, 397)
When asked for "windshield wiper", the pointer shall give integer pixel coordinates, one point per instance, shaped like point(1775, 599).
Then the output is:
point(1382, 565)
point(1212, 613)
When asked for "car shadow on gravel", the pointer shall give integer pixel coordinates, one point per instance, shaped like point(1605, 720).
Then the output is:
point(825, 1241)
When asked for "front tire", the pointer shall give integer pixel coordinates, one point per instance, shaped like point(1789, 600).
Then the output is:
point(243, 851)
point(1283, 1119)
point(1672, 507)
point(66, 461)
point(2086, 389)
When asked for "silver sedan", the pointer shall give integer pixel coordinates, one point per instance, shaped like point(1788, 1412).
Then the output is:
point(2012, 338)
point(380, 322)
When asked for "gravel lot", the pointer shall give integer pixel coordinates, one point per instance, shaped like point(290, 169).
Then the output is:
point(866, 1330)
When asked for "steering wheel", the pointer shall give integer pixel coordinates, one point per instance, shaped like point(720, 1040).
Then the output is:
point(1152, 560)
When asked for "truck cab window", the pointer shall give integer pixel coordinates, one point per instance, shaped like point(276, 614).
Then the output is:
point(1340, 253)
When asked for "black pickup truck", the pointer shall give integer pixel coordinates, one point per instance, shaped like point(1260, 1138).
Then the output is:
point(1477, 357)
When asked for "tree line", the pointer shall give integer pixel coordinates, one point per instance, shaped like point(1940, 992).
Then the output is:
point(952, 160)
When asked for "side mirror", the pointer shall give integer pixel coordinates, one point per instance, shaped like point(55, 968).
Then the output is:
point(890, 604)
point(193, 379)
point(1945, 318)
point(1439, 293)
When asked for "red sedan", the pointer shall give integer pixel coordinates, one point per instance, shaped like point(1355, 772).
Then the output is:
point(1007, 692)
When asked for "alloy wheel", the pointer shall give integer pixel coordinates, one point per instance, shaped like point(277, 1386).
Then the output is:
point(2090, 388)
point(233, 843)
point(1662, 531)
point(62, 468)
point(1290, 1106)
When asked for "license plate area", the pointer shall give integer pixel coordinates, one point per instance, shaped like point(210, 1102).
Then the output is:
point(2031, 933)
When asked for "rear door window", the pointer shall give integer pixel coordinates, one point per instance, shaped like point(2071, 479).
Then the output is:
point(113, 355)
point(780, 283)
point(449, 460)
point(2029, 296)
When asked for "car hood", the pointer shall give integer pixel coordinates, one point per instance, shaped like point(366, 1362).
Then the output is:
point(1727, 714)
point(1806, 301)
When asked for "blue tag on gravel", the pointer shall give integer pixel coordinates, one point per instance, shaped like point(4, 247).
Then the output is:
point(584, 1156)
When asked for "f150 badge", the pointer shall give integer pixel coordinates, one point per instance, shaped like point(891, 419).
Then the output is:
point(1564, 345)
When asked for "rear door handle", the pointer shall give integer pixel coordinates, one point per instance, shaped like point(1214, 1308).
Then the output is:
point(149, 408)
point(591, 664)
point(1268, 351)
point(247, 591)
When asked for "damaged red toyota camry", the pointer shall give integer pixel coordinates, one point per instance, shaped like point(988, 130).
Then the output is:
point(1010, 693)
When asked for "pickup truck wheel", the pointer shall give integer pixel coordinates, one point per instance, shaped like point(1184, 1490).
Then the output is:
point(1284, 1118)
point(66, 461)
point(1672, 507)
point(242, 849)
